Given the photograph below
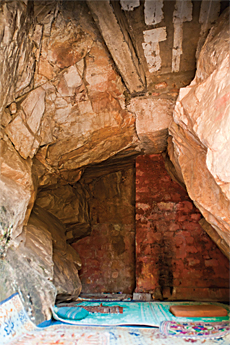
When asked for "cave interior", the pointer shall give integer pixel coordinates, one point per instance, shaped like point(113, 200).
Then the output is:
point(96, 198)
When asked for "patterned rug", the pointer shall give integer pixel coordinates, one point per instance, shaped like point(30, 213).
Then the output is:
point(91, 335)
point(17, 329)
point(138, 314)
point(195, 330)
point(13, 319)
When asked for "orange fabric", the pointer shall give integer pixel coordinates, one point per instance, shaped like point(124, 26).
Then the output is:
point(198, 311)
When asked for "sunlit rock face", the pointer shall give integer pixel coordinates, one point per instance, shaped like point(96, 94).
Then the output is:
point(85, 120)
point(200, 131)
point(42, 266)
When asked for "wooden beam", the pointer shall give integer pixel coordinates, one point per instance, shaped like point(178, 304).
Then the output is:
point(118, 43)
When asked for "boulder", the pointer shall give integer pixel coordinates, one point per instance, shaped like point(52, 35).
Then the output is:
point(200, 131)
point(42, 267)
point(17, 192)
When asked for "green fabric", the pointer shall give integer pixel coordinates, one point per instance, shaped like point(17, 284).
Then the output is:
point(141, 313)
point(69, 313)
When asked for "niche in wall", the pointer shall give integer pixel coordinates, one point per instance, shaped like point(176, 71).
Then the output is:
point(156, 247)
point(108, 254)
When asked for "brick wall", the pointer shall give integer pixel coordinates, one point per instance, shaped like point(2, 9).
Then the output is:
point(108, 255)
point(175, 258)
point(174, 255)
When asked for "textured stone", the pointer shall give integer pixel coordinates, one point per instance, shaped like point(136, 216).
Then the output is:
point(13, 108)
point(153, 117)
point(69, 82)
point(66, 261)
point(201, 131)
point(16, 189)
point(36, 292)
point(45, 69)
point(85, 120)
point(24, 141)
point(34, 107)
point(68, 43)
point(6, 118)
point(17, 63)
point(70, 205)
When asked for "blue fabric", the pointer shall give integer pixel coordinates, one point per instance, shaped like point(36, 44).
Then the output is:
point(69, 313)
point(139, 313)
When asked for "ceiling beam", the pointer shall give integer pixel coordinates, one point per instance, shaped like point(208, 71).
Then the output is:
point(118, 43)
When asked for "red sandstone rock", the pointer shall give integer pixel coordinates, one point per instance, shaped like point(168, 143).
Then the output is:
point(153, 117)
point(200, 131)
point(161, 85)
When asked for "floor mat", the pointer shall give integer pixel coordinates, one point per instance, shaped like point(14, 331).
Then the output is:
point(195, 330)
point(13, 319)
point(139, 313)
point(85, 335)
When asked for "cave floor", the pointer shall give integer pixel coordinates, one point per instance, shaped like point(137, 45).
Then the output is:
point(91, 335)
point(59, 332)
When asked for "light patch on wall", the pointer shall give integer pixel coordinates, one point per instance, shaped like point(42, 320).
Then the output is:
point(129, 5)
point(209, 12)
point(153, 12)
point(181, 14)
point(151, 47)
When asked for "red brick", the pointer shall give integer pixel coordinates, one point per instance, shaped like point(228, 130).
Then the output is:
point(185, 206)
point(174, 227)
point(196, 217)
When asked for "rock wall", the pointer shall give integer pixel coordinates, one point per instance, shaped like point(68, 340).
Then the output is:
point(70, 205)
point(42, 267)
point(200, 131)
point(175, 258)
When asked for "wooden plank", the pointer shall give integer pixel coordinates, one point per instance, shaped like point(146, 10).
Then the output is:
point(119, 44)
point(198, 310)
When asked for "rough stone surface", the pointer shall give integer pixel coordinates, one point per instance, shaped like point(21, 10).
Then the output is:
point(175, 258)
point(18, 49)
point(42, 267)
point(85, 120)
point(16, 190)
point(70, 205)
point(65, 260)
point(20, 135)
point(153, 117)
point(28, 269)
point(200, 131)
point(37, 292)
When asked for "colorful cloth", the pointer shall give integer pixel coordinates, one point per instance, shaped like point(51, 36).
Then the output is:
point(13, 319)
point(195, 330)
point(92, 335)
point(138, 314)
